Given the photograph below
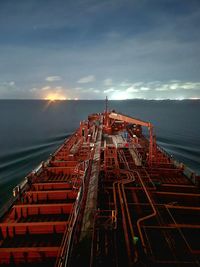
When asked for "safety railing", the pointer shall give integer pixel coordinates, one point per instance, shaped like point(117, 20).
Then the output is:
point(186, 170)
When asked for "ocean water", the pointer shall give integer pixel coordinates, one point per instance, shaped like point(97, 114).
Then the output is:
point(32, 129)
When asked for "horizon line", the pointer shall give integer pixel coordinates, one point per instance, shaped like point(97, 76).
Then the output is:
point(102, 99)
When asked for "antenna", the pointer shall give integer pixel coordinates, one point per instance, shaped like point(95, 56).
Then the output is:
point(106, 113)
point(106, 104)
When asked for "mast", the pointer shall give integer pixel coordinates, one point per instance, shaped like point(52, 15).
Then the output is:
point(106, 105)
point(106, 113)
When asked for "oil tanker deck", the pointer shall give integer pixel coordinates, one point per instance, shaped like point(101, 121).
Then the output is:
point(109, 196)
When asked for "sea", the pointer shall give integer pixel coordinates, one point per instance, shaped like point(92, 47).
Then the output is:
point(30, 130)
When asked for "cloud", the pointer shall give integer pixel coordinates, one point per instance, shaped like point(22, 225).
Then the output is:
point(87, 79)
point(108, 82)
point(53, 92)
point(144, 88)
point(12, 83)
point(190, 85)
point(162, 45)
point(172, 89)
point(124, 84)
point(34, 89)
point(109, 90)
point(175, 85)
point(8, 89)
point(132, 89)
point(45, 88)
point(120, 95)
point(53, 78)
point(56, 88)
point(161, 89)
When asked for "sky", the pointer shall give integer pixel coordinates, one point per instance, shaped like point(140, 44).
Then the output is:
point(90, 49)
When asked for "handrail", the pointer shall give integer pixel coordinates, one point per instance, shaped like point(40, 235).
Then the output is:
point(63, 257)
point(63, 253)
point(7, 206)
point(191, 175)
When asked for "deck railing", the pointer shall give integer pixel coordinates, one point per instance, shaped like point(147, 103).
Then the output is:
point(189, 173)
point(18, 190)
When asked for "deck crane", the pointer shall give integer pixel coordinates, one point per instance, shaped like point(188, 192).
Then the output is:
point(121, 117)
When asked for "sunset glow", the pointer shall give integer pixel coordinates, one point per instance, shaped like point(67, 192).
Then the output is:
point(54, 97)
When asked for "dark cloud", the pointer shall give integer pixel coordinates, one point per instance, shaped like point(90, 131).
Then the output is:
point(118, 40)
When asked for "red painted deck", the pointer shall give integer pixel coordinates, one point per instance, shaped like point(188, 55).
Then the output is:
point(107, 197)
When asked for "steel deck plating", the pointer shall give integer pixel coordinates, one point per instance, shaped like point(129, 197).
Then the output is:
point(109, 196)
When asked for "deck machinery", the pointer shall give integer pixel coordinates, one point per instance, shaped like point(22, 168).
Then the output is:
point(109, 196)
